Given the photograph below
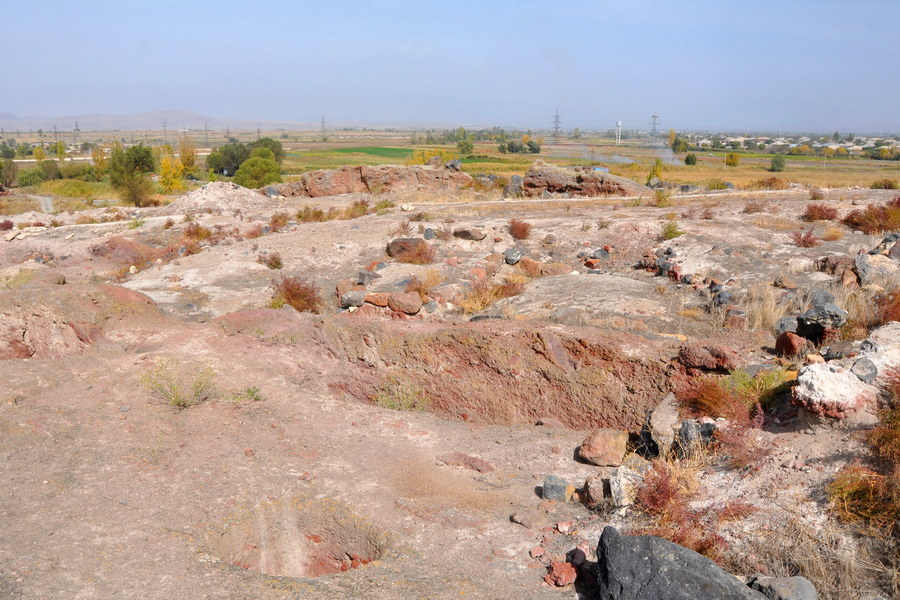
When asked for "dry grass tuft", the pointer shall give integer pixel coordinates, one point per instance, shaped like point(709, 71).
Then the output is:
point(483, 293)
point(197, 232)
point(836, 569)
point(833, 233)
point(424, 285)
point(296, 292)
point(278, 221)
point(519, 230)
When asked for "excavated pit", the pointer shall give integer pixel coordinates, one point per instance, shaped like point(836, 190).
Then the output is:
point(297, 537)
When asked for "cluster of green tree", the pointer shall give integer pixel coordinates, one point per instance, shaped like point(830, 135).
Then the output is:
point(514, 147)
point(454, 136)
point(252, 165)
point(882, 153)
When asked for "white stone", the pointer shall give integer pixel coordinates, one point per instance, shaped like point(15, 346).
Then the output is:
point(832, 391)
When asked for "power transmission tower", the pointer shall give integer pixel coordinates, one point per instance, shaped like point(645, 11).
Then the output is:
point(75, 134)
point(165, 133)
point(556, 127)
point(257, 132)
point(324, 135)
point(654, 125)
point(206, 132)
point(618, 133)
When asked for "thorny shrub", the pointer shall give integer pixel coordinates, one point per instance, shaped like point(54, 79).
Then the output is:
point(195, 231)
point(6, 225)
point(820, 212)
point(816, 194)
point(419, 254)
point(666, 494)
point(875, 218)
point(805, 239)
point(865, 494)
point(769, 183)
point(755, 207)
point(519, 230)
point(271, 260)
point(297, 292)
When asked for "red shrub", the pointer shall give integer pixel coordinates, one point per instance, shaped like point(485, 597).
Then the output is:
point(805, 239)
point(419, 254)
point(875, 219)
point(296, 292)
point(820, 212)
point(278, 220)
point(889, 307)
point(6, 225)
point(519, 230)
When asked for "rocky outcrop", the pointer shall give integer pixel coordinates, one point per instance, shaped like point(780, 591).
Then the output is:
point(642, 567)
point(579, 181)
point(832, 391)
point(604, 447)
point(373, 180)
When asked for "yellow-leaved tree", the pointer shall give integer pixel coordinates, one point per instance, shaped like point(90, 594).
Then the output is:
point(98, 158)
point(187, 154)
point(39, 153)
point(171, 173)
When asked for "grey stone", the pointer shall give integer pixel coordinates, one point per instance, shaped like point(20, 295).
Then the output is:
point(454, 165)
point(515, 188)
point(813, 323)
point(645, 567)
point(784, 588)
point(512, 256)
point(430, 307)
point(366, 277)
point(723, 298)
point(600, 253)
point(693, 434)
point(658, 433)
point(470, 233)
point(554, 488)
point(820, 297)
point(865, 369)
point(786, 324)
point(353, 298)
point(428, 234)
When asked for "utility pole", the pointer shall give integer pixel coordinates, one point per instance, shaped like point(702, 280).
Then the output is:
point(324, 136)
point(618, 133)
point(206, 134)
point(75, 134)
point(556, 127)
point(257, 132)
point(165, 133)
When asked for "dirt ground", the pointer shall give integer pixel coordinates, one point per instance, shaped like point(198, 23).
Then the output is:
point(289, 482)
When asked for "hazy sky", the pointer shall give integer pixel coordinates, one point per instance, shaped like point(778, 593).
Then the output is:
point(820, 65)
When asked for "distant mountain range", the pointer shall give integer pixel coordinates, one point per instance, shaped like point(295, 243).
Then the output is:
point(153, 121)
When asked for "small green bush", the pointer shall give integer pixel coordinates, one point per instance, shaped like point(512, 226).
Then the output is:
point(178, 386)
point(690, 160)
point(670, 230)
point(777, 164)
point(397, 394)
